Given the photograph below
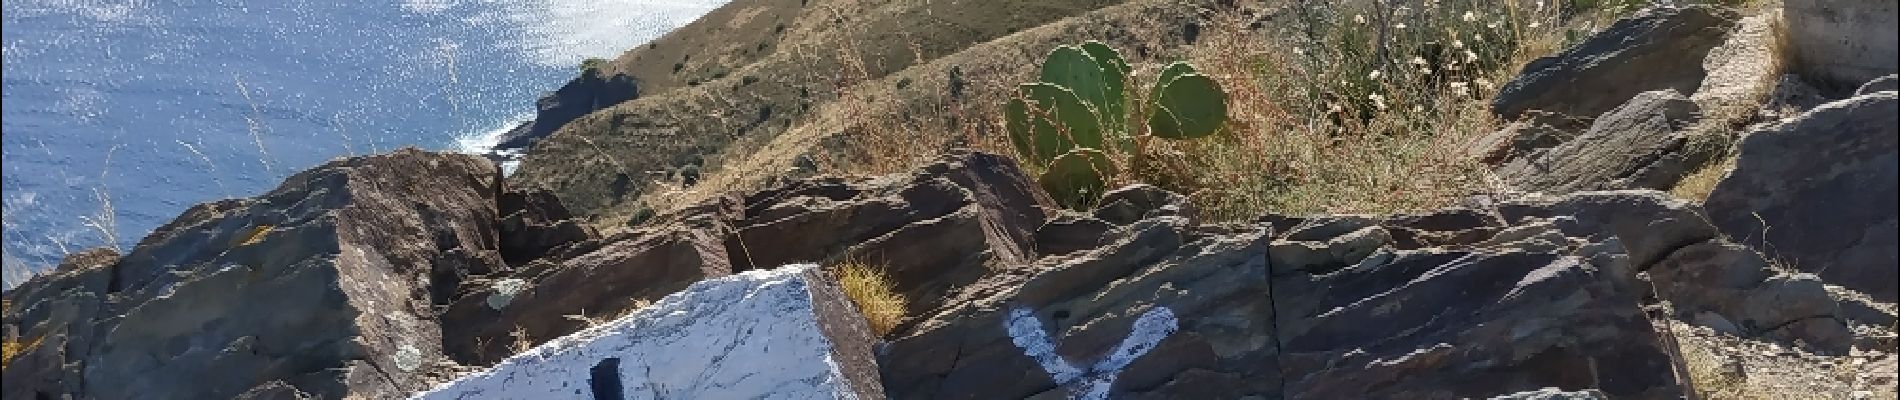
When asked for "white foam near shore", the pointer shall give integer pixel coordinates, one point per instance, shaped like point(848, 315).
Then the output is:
point(483, 143)
point(747, 336)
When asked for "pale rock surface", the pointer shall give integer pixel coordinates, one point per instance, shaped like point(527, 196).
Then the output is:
point(785, 333)
point(1843, 43)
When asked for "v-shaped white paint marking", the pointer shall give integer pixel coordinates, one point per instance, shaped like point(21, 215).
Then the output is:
point(1027, 333)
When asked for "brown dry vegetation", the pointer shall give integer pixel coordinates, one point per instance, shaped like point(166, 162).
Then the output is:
point(870, 288)
point(1305, 135)
point(1334, 108)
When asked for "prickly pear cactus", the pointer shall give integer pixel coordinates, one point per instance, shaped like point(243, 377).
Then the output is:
point(1047, 120)
point(1071, 67)
point(1077, 178)
point(1114, 104)
point(1168, 73)
point(1082, 105)
point(1189, 106)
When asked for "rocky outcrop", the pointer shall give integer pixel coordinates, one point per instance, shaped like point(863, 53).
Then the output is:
point(321, 287)
point(1818, 192)
point(585, 94)
point(782, 333)
point(385, 275)
point(1457, 303)
point(56, 314)
point(1843, 43)
point(1660, 48)
point(500, 314)
point(1639, 145)
point(1536, 130)
point(535, 224)
point(1566, 114)
point(932, 230)
point(1742, 69)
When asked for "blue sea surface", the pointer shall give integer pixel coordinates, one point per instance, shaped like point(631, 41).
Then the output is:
point(117, 115)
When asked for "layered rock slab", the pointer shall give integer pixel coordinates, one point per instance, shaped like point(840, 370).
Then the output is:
point(321, 288)
point(1461, 303)
point(780, 333)
point(1641, 144)
point(932, 229)
point(1660, 48)
point(1818, 192)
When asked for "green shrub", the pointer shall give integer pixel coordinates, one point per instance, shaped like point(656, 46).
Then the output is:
point(592, 64)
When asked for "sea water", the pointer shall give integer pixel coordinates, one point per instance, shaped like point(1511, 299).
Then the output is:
point(120, 114)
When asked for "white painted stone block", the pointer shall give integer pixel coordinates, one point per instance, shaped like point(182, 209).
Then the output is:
point(1843, 43)
point(768, 334)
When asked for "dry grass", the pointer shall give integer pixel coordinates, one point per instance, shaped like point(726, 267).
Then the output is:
point(1337, 108)
point(870, 288)
point(11, 348)
point(1725, 115)
point(1369, 112)
point(1723, 367)
point(1697, 186)
point(522, 341)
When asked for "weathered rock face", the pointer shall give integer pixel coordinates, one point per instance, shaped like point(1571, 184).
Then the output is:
point(534, 224)
point(1819, 192)
point(1457, 303)
point(1536, 130)
point(932, 230)
point(376, 277)
point(1693, 266)
point(1660, 48)
point(580, 96)
point(1639, 145)
point(320, 287)
point(1843, 43)
point(781, 333)
point(1742, 68)
point(501, 314)
point(57, 313)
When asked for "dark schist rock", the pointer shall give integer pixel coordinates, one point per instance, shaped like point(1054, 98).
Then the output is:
point(534, 224)
point(1642, 144)
point(1326, 308)
point(1596, 117)
point(379, 276)
point(585, 94)
point(59, 314)
point(500, 314)
point(933, 229)
point(321, 287)
point(1658, 48)
point(1535, 130)
point(1818, 192)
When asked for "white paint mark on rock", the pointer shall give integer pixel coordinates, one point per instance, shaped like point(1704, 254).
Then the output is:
point(754, 335)
point(1148, 331)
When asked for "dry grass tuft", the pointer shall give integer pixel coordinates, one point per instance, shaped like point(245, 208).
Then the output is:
point(522, 342)
point(11, 348)
point(1723, 367)
point(871, 289)
point(1697, 186)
